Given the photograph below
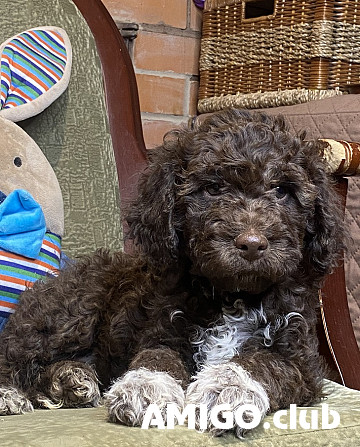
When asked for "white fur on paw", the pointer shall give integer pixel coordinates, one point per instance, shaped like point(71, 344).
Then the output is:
point(129, 397)
point(226, 383)
point(13, 402)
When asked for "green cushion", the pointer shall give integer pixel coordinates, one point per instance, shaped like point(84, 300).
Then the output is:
point(88, 427)
point(74, 132)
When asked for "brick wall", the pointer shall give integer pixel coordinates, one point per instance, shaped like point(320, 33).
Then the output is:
point(165, 55)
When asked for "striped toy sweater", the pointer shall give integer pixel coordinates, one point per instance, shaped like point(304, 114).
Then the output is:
point(18, 273)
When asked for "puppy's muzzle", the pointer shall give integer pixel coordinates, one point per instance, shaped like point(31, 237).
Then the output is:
point(252, 244)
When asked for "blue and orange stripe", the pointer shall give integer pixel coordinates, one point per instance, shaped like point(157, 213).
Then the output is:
point(19, 273)
point(31, 64)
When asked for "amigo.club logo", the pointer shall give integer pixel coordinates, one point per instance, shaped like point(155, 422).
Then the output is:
point(245, 416)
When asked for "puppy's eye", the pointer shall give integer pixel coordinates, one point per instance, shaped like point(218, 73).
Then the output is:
point(281, 191)
point(214, 189)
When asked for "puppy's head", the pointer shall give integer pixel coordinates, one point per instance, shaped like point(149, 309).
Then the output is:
point(243, 200)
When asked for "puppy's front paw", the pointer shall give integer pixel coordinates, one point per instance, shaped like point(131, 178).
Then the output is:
point(69, 384)
point(129, 397)
point(229, 384)
point(13, 402)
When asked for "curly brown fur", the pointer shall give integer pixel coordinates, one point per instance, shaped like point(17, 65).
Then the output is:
point(237, 224)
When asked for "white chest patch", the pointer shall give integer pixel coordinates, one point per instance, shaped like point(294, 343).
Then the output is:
point(225, 339)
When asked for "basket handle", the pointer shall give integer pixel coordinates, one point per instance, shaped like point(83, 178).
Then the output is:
point(254, 10)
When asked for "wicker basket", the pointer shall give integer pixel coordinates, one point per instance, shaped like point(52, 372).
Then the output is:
point(292, 52)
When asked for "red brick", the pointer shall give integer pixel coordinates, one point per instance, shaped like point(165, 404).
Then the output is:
point(195, 17)
point(167, 12)
point(194, 90)
point(161, 94)
point(164, 52)
point(154, 131)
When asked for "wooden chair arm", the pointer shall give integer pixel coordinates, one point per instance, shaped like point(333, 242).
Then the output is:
point(121, 95)
point(337, 326)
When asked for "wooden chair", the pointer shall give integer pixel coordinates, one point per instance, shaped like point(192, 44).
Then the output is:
point(121, 95)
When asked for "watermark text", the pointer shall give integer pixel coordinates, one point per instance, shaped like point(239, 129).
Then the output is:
point(246, 417)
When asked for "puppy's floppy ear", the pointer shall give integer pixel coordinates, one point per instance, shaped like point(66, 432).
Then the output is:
point(152, 218)
point(324, 240)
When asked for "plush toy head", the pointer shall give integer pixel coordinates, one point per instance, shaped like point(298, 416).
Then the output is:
point(35, 70)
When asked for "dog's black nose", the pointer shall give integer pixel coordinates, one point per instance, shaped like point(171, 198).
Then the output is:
point(251, 244)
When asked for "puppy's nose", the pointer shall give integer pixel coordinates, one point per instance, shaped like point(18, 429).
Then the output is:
point(252, 244)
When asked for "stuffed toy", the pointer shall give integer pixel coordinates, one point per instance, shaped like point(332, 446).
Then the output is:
point(35, 70)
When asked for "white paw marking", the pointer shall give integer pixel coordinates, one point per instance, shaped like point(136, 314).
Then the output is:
point(13, 402)
point(129, 397)
point(227, 383)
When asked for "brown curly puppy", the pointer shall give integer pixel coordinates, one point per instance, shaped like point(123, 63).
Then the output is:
point(237, 223)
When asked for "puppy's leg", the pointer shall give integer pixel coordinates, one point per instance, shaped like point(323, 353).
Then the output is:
point(287, 379)
point(12, 399)
point(156, 376)
point(129, 397)
point(56, 319)
point(288, 371)
point(62, 384)
point(263, 379)
point(227, 383)
point(68, 384)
